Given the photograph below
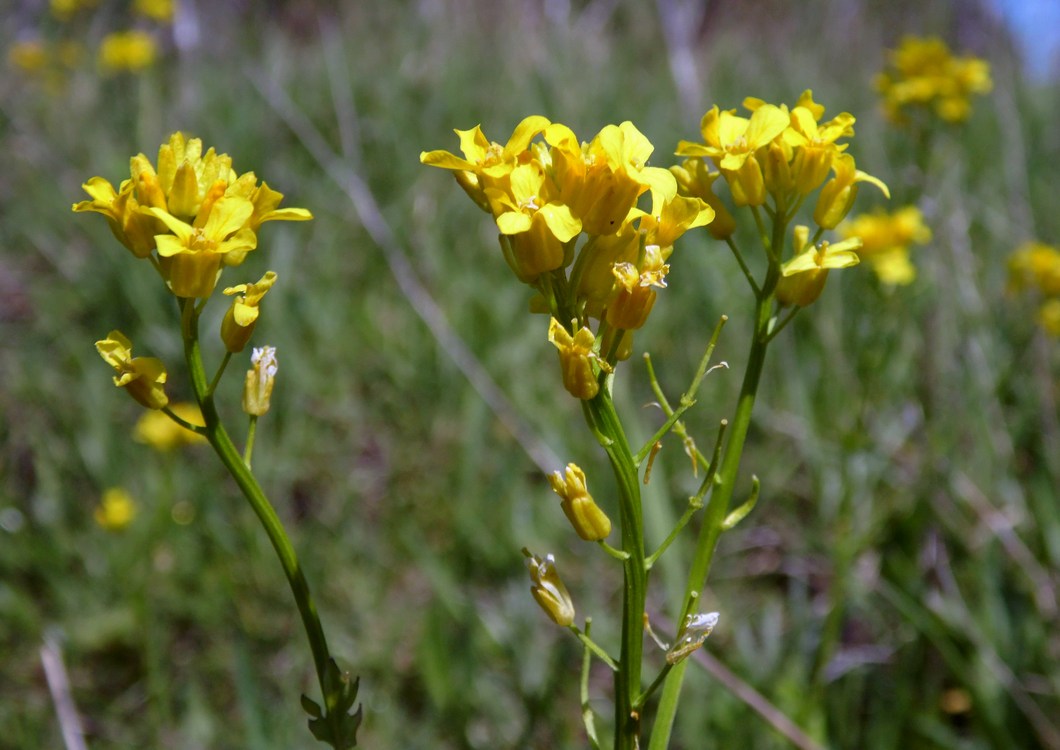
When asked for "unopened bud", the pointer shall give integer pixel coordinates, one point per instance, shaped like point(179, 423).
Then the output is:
point(591, 523)
point(548, 589)
point(257, 389)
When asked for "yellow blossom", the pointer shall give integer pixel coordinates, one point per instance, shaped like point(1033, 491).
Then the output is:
point(486, 164)
point(803, 277)
point(731, 142)
point(591, 523)
point(64, 10)
point(186, 188)
point(602, 180)
point(837, 196)
point(923, 74)
point(886, 239)
point(576, 358)
point(593, 276)
point(257, 387)
point(143, 378)
point(130, 51)
point(29, 55)
point(116, 509)
point(242, 316)
point(1049, 317)
point(634, 295)
point(1035, 265)
point(158, 430)
point(537, 227)
point(157, 10)
point(191, 257)
point(548, 589)
point(695, 180)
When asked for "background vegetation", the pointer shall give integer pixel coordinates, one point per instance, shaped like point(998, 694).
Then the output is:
point(896, 585)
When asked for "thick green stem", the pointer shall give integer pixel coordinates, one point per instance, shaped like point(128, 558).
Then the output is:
point(721, 495)
point(233, 461)
point(600, 411)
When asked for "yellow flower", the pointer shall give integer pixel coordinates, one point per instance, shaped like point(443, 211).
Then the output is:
point(924, 75)
point(602, 181)
point(695, 180)
point(116, 509)
point(815, 144)
point(158, 10)
point(548, 589)
point(143, 378)
point(594, 276)
point(670, 219)
point(803, 277)
point(731, 142)
point(187, 186)
point(486, 164)
point(158, 430)
point(29, 55)
point(576, 358)
point(64, 10)
point(191, 257)
point(129, 51)
point(634, 295)
point(537, 227)
point(131, 226)
point(1049, 317)
point(242, 316)
point(1035, 265)
point(257, 387)
point(885, 240)
point(591, 523)
point(837, 196)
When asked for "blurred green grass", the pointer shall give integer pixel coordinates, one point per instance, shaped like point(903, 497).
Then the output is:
point(906, 546)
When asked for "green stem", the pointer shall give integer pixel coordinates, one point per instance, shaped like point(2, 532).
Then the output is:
point(604, 422)
point(252, 429)
point(721, 495)
point(233, 461)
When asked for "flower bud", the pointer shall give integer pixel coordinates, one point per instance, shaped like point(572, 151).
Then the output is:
point(143, 378)
point(548, 589)
point(591, 523)
point(242, 316)
point(576, 359)
point(257, 388)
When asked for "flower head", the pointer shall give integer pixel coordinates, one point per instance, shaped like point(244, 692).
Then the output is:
point(116, 509)
point(886, 239)
point(194, 210)
point(127, 51)
point(803, 277)
point(143, 378)
point(923, 75)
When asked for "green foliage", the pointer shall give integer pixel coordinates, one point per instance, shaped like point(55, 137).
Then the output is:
point(894, 586)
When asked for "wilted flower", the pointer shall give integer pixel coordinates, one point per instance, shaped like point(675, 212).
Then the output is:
point(143, 378)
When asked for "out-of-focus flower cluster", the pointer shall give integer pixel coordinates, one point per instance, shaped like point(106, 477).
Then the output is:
point(55, 50)
point(923, 74)
point(191, 217)
point(886, 239)
point(572, 228)
point(1034, 268)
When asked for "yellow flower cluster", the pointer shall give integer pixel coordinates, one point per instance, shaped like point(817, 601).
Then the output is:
point(775, 158)
point(162, 433)
point(924, 75)
point(885, 241)
point(191, 217)
point(1035, 267)
point(116, 509)
point(545, 195)
point(127, 51)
